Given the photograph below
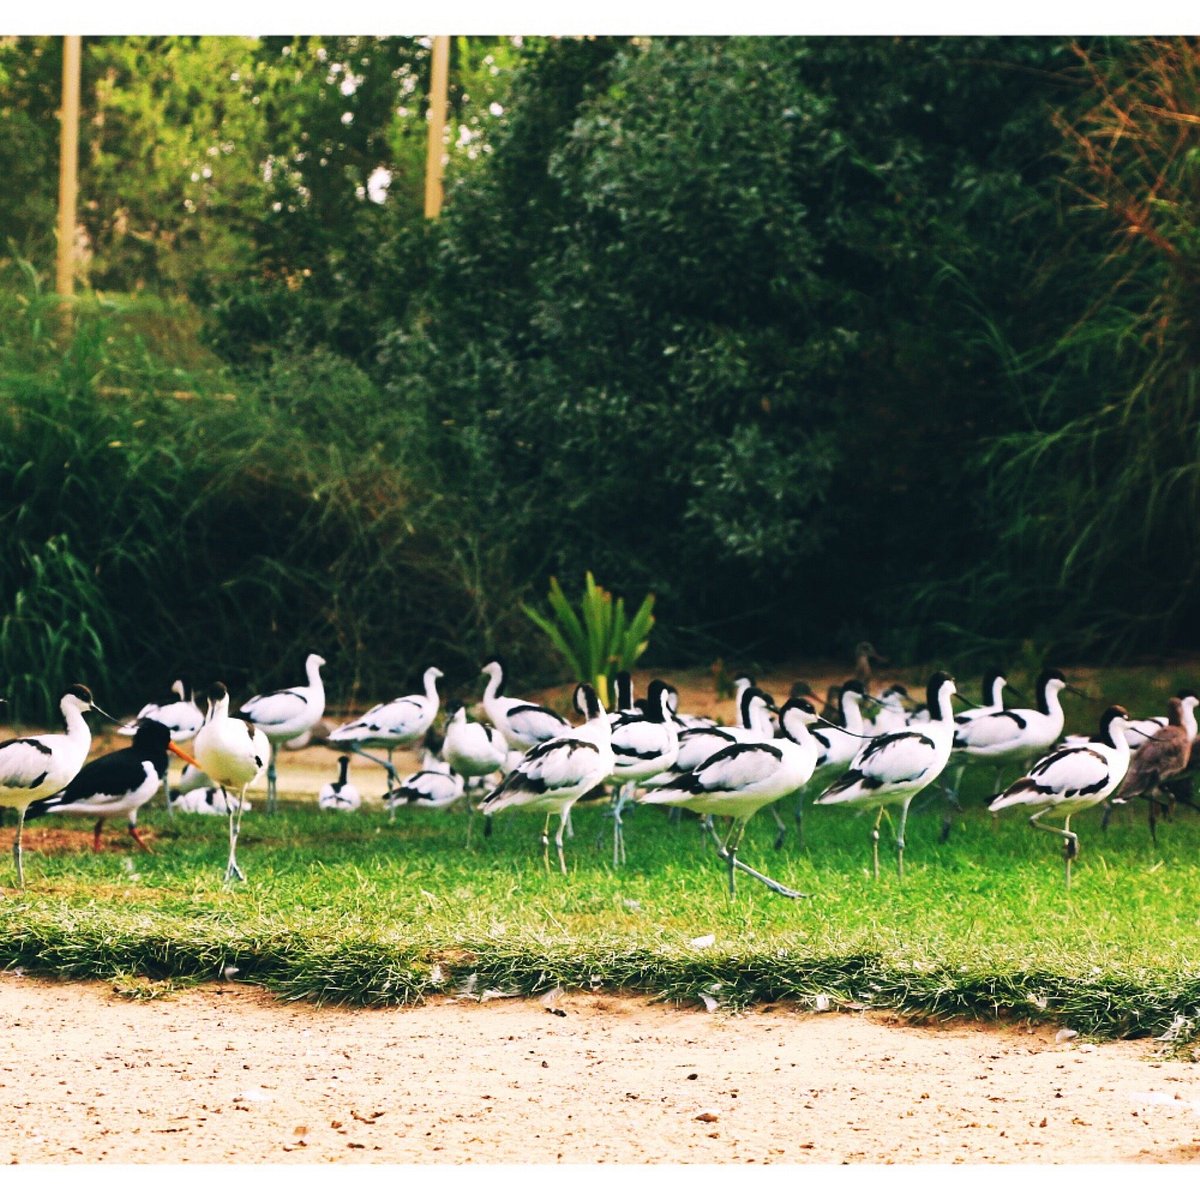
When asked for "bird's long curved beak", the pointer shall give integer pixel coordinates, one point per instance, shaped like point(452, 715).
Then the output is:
point(187, 758)
point(1070, 687)
point(107, 716)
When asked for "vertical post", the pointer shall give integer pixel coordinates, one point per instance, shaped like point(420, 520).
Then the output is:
point(439, 73)
point(68, 174)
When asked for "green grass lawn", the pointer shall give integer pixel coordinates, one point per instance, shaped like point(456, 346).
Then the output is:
point(346, 908)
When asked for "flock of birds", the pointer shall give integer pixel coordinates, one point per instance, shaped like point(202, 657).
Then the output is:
point(645, 751)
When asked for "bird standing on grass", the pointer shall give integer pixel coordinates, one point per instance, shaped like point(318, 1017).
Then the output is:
point(1016, 736)
point(523, 723)
point(286, 714)
point(472, 750)
point(644, 743)
point(1161, 757)
point(341, 795)
point(892, 768)
point(117, 784)
point(743, 777)
point(401, 722)
point(1068, 781)
point(554, 774)
point(34, 767)
point(233, 753)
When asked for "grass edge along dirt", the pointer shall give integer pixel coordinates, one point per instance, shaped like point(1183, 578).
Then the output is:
point(362, 913)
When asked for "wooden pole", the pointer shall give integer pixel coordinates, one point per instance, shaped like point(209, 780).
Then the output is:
point(439, 74)
point(68, 173)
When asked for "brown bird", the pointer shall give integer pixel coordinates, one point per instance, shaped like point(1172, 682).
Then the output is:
point(1162, 757)
point(866, 657)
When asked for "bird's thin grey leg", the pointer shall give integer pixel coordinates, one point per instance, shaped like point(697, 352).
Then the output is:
point(727, 852)
point(618, 825)
point(900, 839)
point(875, 843)
point(563, 818)
point(1070, 840)
point(232, 870)
point(18, 851)
point(272, 794)
point(570, 827)
point(953, 803)
point(386, 764)
point(780, 826)
point(546, 842)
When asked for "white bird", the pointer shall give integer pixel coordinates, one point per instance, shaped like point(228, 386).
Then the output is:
point(1016, 735)
point(839, 738)
point(892, 768)
point(232, 752)
point(286, 714)
point(523, 723)
point(34, 767)
point(181, 716)
point(992, 692)
point(341, 796)
point(210, 800)
point(1068, 781)
point(116, 784)
point(891, 713)
point(644, 743)
point(698, 745)
point(472, 750)
point(397, 723)
point(426, 789)
point(743, 777)
point(555, 773)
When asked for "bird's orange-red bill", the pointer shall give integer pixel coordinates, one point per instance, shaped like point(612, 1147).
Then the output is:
point(187, 758)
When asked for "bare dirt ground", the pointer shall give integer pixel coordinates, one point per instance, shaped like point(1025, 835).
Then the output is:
point(227, 1074)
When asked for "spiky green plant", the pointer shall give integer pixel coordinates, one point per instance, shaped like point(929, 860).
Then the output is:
point(598, 640)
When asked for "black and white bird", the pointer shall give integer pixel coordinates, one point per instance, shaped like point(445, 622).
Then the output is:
point(286, 714)
point(1070, 780)
point(697, 745)
point(1016, 736)
point(232, 752)
point(889, 770)
point(890, 714)
point(117, 784)
point(992, 693)
point(181, 714)
point(37, 766)
point(742, 777)
point(839, 737)
point(471, 749)
point(209, 800)
point(426, 789)
point(556, 773)
point(644, 744)
point(396, 724)
point(341, 795)
point(523, 723)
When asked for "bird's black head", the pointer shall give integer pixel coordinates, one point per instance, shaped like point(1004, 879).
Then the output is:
point(933, 692)
point(750, 697)
point(658, 701)
point(587, 703)
point(81, 693)
point(853, 685)
point(151, 735)
point(622, 691)
point(1113, 713)
point(218, 691)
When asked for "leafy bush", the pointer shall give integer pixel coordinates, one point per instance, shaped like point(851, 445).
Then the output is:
point(598, 640)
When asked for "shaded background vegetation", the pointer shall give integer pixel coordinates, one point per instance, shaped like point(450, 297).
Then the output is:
point(816, 338)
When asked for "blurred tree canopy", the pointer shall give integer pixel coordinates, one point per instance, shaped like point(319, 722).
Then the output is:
point(815, 337)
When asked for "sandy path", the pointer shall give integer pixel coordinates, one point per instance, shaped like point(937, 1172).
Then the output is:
point(225, 1073)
